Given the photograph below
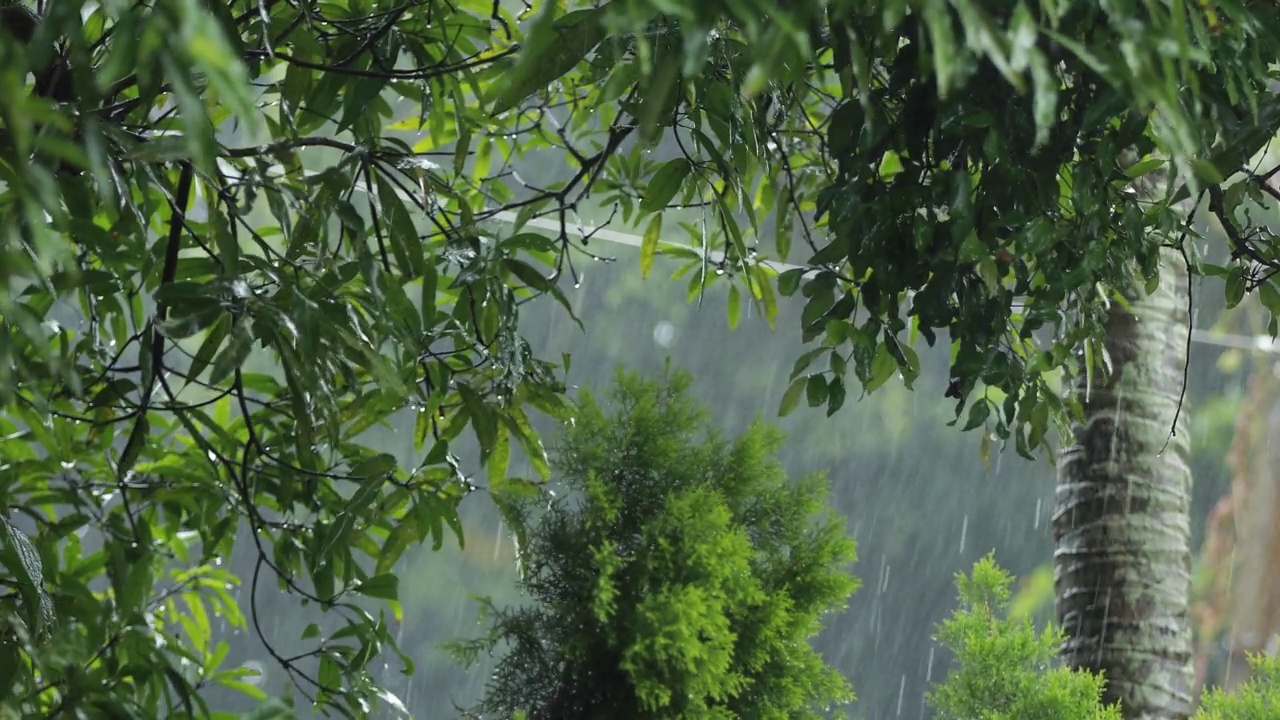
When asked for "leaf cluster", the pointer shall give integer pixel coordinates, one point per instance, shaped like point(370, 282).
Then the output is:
point(993, 173)
point(219, 271)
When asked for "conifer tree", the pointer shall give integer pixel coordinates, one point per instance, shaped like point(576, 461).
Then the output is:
point(679, 576)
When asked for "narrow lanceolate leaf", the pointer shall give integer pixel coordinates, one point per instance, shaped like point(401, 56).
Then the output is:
point(791, 398)
point(649, 244)
point(500, 456)
point(554, 47)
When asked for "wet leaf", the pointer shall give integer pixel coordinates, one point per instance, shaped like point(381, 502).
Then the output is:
point(649, 244)
point(665, 184)
point(385, 586)
point(791, 398)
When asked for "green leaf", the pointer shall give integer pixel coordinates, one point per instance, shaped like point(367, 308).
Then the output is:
point(357, 98)
point(211, 50)
point(197, 129)
point(404, 235)
point(518, 424)
point(791, 398)
point(1270, 296)
point(10, 663)
point(1235, 289)
point(398, 540)
point(762, 284)
point(212, 341)
point(553, 47)
point(649, 244)
point(1144, 166)
point(883, 367)
point(483, 419)
point(378, 466)
point(815, 390)
point(789, 281)
point(665, 184)
point(233, 356)
point(21, 560)
point(978, 414)
point(660, 96)
point(911, 370)
point(500, 456)
point(816, 309)
point(516, 488)
point(385, 586)
point(735, 306)
point(133, 447)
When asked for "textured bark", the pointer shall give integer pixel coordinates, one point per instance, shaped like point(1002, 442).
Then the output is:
point(1122, 519)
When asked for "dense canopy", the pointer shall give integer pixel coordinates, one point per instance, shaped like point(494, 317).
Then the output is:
point(236, 236)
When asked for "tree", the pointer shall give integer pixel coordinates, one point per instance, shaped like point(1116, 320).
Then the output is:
point(1122, 523)
point(236, 236)
point(680, 575)
point(936, 162)
point(204, 308)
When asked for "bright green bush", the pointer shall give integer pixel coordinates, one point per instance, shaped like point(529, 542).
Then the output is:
point(1258, 699)
point(1005, 669)
point(680, 576)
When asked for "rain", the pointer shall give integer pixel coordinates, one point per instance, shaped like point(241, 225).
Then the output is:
point(914, 492)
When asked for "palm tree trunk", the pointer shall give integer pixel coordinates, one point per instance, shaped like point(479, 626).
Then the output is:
point(1122, 565)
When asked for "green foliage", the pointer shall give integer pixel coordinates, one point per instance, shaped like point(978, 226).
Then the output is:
point(1004, 668)
point(235, 237)
point(1257, 699)
point(218, 270)
point(679, 577)
point(946, 166)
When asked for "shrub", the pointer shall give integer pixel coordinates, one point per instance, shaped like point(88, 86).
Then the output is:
point(1005, 669)
point(1257, 699)
point(680, 576)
